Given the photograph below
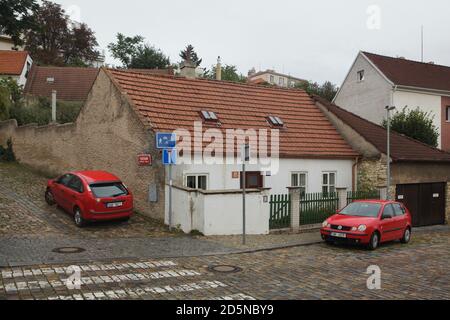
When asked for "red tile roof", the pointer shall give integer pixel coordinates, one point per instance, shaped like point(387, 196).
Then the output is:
point(12, 62)
point(170, 103)
point(403, 148)
point(71, 84)
point(412, 73)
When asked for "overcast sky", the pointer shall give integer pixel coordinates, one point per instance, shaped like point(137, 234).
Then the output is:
point(316, 40)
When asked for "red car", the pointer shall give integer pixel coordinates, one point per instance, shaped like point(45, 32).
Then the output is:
point(369, 222)
point(91, 196)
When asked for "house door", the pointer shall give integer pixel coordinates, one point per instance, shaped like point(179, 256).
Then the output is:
point(425, 201)
point(253, 180)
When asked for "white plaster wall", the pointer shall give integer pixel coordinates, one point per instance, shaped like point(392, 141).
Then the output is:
point(220, 176)
point(218, 214)
point(367, 98)
point(223, 214)
point(22, 80)
point(427, 102)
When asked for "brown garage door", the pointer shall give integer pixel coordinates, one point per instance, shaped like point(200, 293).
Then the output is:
point(426, 201)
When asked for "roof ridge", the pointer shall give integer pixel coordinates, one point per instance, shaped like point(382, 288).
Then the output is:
point(232, 83)
point(320, 99)
point(404, 59)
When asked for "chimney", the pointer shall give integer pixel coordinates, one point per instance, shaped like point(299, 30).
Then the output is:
point(187, 69)
point(219, 69)
point(431, 62)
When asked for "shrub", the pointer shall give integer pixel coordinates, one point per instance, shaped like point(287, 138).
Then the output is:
point(40, 112)
point(5, 103)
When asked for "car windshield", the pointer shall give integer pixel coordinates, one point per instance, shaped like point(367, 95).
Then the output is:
point(108, 190)
point(362, 209)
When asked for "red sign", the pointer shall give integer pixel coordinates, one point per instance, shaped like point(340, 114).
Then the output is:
point(145, 159)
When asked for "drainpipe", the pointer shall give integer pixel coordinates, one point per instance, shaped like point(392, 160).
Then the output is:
point(355, 175)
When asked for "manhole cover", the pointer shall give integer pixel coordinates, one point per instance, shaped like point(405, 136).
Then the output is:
point(68, 250)
point(224, 269)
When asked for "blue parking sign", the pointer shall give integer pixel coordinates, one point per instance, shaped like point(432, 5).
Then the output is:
point(169, 157)
point(166, 140)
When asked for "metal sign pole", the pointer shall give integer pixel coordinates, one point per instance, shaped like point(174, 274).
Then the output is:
point(245, 149)
point(244, 182)
point(170, 190)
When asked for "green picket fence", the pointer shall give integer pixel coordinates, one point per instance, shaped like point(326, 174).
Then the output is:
point(315, 208)
point(361, 195)
point(280, 211)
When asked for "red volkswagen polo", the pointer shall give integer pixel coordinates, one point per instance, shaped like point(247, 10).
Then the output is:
point(91, 196)
point(369, 222)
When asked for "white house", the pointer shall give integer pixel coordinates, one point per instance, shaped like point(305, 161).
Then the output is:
point(294, 145)
point(274, 78)
point(375, 81)
point(15, 65)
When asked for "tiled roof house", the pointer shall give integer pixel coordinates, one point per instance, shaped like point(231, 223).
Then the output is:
point(376, 81)
point(15, 65)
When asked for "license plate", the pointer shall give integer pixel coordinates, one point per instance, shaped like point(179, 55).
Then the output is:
point(114, 204)
point(338, 235)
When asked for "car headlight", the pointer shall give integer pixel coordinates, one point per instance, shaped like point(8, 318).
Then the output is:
point(362, 228)
point(325, 224)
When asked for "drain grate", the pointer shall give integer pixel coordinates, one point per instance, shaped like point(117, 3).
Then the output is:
point(224, 269)
point(68, 250)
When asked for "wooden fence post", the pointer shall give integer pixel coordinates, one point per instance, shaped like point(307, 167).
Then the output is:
point(294, 193)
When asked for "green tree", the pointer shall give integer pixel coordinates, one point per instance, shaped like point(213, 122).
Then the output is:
point(133, 52)
point(17, 17)
point(55, 41)
point(189, 54)
point(229, 73)
point(15, 91)
point(416, 124)
point(327, 90)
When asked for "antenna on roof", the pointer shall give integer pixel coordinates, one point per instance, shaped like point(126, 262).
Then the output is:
point(422, 42)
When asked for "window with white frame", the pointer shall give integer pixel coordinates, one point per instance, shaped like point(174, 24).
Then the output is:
point(197, 181)
point(360, 75)
point(272, 79)
point(328, 182)
point(281, 81)
point(299, 180)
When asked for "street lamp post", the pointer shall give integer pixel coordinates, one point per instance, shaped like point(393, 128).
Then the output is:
point(388, 110)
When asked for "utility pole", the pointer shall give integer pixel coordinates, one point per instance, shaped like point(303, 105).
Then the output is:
point(388, 185)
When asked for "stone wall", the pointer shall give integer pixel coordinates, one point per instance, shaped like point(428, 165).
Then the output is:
point(371, 173)
point(108, 135)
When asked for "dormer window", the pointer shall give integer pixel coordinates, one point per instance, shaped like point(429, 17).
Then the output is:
point(210, 116)
point(275, 121)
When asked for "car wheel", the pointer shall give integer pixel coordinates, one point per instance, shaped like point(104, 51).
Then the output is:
point(78, 218)
point(406, 236)
point(374, 241)
point(49, 198)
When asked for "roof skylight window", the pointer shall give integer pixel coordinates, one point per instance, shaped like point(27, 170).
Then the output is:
point(209, 116)
point(276, 121)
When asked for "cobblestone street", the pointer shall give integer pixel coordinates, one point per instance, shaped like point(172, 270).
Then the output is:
point(142, 260)
point(416, 271)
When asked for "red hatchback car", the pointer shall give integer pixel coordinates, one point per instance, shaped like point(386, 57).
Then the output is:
point(369, 222)
point(91, 196)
